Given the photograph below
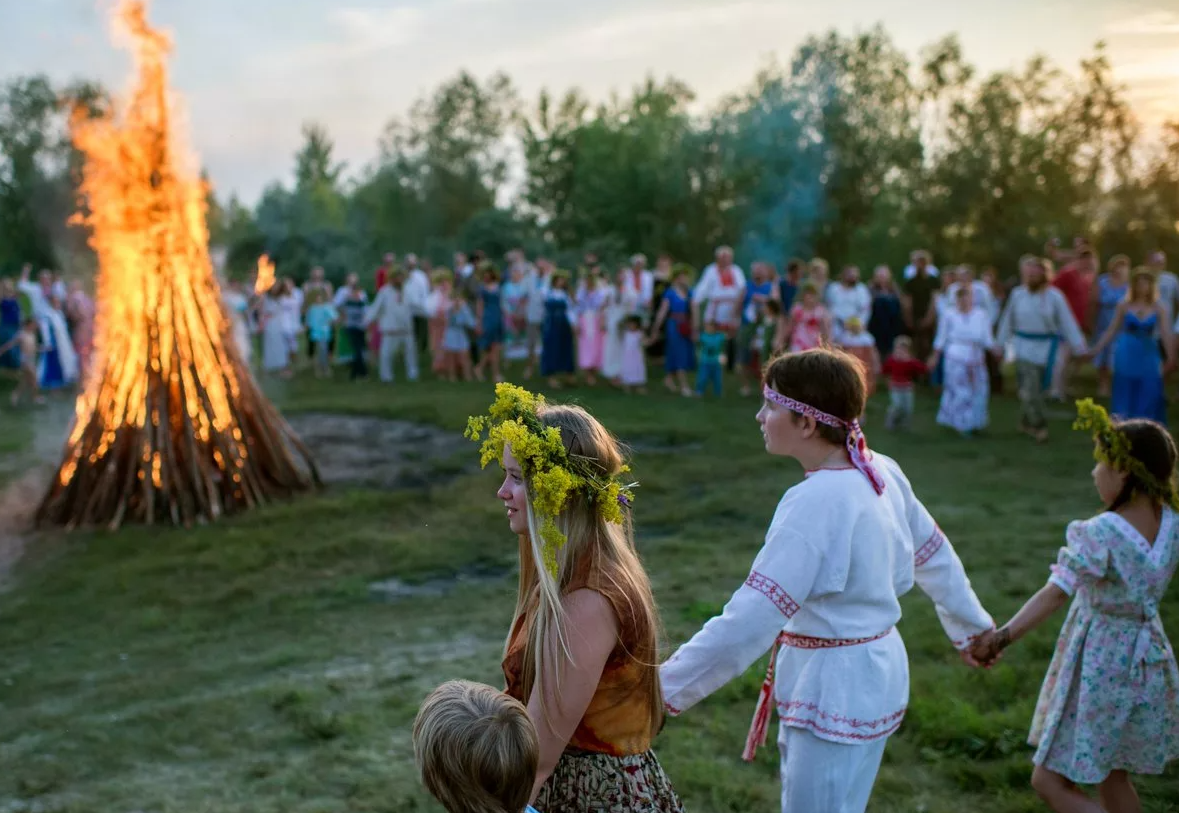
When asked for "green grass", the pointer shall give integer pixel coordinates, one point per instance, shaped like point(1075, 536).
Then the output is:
point(246, 666)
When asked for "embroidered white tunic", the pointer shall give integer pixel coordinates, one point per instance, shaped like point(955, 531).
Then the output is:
point(836, 560)
point(1038, 321)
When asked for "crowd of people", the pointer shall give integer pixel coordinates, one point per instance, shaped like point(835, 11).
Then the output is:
point(586, 692)
point(951, 329)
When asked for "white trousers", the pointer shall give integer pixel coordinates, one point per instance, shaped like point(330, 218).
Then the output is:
point(391, 345)
point(819, 776)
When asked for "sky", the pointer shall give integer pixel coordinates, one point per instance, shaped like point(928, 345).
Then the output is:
point(251, 72)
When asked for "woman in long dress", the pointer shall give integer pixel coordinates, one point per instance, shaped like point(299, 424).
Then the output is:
point(623, 300)
point(276, 348)
point(1137, 362)
point(592, 293)
point(679, 349)
point(556, 347)
point(963, 339)
point(80, 310)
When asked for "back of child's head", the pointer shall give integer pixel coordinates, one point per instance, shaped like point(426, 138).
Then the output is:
point(903, 344)
point(772, 307)
point(476, 749)
point(830, 380)
point(1153, 449)
point(634, 322)
point(855, 324)
point(318, 296)
point(710, 326)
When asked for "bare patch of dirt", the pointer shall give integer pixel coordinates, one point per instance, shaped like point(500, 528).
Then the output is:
point(382, 453)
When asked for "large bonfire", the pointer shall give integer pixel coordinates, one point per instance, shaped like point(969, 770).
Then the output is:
point(170, 425)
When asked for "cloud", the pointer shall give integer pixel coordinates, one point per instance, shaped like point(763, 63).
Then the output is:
point(1152, 23)
point(645, 32)
point(359, 32)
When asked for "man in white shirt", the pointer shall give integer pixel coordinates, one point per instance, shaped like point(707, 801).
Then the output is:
point(920, 257)
point(393, 317)
point(417, 294)
point(720, 294)
point(848, 299)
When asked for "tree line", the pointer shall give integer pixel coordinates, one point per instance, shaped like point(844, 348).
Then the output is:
point(851, 150)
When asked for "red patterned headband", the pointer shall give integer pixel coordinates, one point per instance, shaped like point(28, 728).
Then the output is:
point(857, 445)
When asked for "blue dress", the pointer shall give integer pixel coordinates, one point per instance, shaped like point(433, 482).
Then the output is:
point(679, 353)
point(1138, 373)
point(52, 374)
point(493, 318)
point(556, 355)
point(1108, 297)
point(9, 327)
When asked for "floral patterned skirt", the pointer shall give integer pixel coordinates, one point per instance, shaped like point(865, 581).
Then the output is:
point(585, 782)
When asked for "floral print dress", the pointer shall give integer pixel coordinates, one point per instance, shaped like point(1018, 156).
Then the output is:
point(1110, 700)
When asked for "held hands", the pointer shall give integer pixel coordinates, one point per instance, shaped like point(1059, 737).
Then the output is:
point(987, 649)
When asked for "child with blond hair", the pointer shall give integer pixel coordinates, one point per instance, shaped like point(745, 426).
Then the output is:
point(476, 749)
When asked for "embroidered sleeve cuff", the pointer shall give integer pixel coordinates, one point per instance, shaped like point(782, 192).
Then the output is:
point(1064, 578)
point(774, 592)
point(932, 545)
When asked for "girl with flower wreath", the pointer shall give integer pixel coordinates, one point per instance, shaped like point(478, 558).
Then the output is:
point(582, 652)
point(823, 594)
point(1109, 706)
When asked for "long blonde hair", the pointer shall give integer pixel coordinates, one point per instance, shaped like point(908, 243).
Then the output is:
point(604, 549)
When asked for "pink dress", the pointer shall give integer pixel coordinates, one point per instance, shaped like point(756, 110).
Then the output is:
point(634, 363)
point(81, 309)
point(591, 329)
point(807, 328)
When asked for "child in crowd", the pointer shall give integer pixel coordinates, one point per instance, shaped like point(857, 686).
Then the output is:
point(25, 343)
point(823, 594)
point(476, 749)
point(809, 323)
point(633, 367)
point(321, 319)
point(902, 370)
point(769, 337)
point(1109, 706)
point(860, 343)
point(456, 342)
point(711, 359)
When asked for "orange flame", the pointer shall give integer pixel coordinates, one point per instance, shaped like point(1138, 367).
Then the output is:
point(160, 322)
point(265, 279)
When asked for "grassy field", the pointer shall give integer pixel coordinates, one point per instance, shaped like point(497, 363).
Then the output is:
point(250, 666)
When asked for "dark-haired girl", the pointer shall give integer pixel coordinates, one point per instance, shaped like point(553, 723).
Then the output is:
point(1109, 706)
point(823, 593)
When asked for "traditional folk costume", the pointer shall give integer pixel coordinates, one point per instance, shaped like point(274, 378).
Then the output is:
point(964, 339)
point(276, 349)
point(1110, 700)
point(1138, 370)
point(622, 302)
point(392, 314)
point(847, 302)
point(515, 305)
point(823, 597)
point(556, 348)
point(1037, 321)
point(806, 327)
point(591, 328)
point(679, 352)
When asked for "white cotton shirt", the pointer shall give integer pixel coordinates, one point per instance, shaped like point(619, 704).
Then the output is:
point(964, 337)
point(836, 560)
point(724, 301)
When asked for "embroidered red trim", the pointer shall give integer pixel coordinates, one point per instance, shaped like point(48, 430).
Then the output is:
point(803, 722)
point(931, 546)
point(808, 642)
point(774, 592)
point(672, 710)
point(786, 707)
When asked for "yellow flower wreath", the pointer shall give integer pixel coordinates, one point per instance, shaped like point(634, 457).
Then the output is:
point(1113, 448)
point(552, 476)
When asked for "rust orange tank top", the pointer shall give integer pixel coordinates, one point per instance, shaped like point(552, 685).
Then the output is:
point(618, 720)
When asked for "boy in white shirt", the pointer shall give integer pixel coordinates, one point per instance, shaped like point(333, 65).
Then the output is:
point(823, 594)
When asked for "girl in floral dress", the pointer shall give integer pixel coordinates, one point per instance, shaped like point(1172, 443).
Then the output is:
point(1109, 706)
point(809, 322)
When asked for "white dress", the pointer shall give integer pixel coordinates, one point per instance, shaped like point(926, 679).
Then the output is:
point(826, 586)
point(619, 306)
point(964, 339)
point(237, 305)
point(276, 347)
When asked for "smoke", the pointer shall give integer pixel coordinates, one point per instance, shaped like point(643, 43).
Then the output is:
point(773, 139)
